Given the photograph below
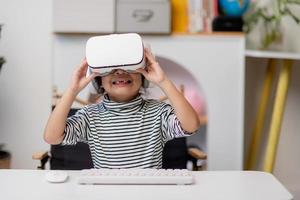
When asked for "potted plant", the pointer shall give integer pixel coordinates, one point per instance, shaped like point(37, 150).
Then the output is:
point(270, 16)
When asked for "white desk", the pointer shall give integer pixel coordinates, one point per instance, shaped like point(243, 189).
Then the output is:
point(231, 185)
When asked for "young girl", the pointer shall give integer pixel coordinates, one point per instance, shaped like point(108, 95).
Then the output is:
point(124, 130)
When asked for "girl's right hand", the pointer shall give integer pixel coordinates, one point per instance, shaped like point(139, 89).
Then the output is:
point(79, 79)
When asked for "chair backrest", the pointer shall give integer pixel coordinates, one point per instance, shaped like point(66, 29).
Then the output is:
point(71, 157)
point(76, 157)
point(175, 154)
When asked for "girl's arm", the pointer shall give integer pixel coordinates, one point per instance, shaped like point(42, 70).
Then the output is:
point(187, 116)
point(54, 130)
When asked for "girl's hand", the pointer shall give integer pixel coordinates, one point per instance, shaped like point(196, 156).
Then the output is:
point(152, 72)
point(79, 79)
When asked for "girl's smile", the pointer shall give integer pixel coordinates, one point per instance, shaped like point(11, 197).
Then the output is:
point(121, 82)
point(121, 85)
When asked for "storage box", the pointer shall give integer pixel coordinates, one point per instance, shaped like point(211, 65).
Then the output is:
point(143, 16)
point(84, 16)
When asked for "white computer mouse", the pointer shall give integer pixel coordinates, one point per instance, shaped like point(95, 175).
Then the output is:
point(56, 176)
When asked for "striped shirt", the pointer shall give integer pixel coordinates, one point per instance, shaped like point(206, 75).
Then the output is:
point(124, 135)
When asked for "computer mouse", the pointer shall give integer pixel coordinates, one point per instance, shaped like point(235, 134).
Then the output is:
point(56, 176)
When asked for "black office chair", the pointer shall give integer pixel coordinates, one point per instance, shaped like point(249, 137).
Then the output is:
point(176, 154)
point(76, 157)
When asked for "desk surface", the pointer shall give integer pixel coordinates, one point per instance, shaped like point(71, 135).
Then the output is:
point(233, 185)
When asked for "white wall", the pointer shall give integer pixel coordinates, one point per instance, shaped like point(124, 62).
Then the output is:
point(25, 79)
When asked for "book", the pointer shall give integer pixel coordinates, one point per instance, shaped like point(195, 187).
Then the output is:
point(196, 16)
point(193, 16)
point(179, 16)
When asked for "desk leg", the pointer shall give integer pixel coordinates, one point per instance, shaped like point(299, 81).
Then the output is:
point(277, 115)
point(260, 118)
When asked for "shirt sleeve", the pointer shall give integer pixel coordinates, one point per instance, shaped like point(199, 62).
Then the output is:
point(77, 128)
point(171, 127)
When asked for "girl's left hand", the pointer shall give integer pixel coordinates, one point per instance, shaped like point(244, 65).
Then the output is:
point(152, 72)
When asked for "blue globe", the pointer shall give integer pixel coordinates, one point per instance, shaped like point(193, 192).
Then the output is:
point(235, 8)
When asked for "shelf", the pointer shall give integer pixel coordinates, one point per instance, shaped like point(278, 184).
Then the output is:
point(230, 34)
point(272, 54)
point(211, 34)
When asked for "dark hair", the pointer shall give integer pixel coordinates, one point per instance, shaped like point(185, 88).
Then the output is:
point(97, 83)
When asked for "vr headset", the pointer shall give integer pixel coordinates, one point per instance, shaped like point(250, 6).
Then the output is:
point(116, 51)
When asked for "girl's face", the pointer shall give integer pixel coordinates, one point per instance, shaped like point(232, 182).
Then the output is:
point(122, 86)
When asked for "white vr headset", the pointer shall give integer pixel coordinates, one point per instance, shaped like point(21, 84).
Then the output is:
point(115, 51)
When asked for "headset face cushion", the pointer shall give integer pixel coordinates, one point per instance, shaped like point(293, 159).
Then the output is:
point(116, 51)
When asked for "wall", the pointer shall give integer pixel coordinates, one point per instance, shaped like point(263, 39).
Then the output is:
point(25, 79)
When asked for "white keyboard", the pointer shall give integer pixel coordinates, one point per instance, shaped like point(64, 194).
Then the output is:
point(136, 176)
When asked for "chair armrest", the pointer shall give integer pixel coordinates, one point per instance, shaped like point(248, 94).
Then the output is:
point(39, 155)
point(197, 153)
point(43, 157)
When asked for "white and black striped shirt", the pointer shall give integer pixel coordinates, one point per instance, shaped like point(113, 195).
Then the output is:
point(124, 135)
